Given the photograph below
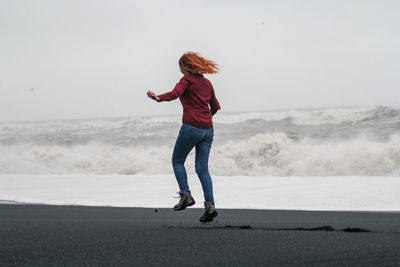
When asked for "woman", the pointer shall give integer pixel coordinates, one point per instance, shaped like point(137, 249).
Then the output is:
point(197, 97)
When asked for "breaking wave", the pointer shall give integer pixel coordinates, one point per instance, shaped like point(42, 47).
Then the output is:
point(323, 142)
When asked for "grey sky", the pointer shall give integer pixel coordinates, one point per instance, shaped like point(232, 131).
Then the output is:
point(98, 58)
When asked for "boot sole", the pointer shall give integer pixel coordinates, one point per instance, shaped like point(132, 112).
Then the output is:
point(184, 207)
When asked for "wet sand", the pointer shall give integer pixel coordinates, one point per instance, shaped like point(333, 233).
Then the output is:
point(44, 235)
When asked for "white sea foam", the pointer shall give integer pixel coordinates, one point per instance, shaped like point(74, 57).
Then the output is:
point(320, 142)
point(276, 154)
point(260, 155)
point(301, 193)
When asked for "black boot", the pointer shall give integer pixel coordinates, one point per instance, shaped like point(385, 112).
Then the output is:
point(185, 201)
point(209, 213)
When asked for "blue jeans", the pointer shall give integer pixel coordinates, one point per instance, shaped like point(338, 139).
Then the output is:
point(188, 138)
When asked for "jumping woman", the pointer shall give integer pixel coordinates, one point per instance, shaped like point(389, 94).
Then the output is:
point(197, 97)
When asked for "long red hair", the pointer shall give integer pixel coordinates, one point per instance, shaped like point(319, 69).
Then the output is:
point(193, 63)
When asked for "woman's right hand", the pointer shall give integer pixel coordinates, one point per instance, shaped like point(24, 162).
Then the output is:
point(153, 95)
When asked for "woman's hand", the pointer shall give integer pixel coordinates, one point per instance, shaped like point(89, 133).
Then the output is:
point(153, 95)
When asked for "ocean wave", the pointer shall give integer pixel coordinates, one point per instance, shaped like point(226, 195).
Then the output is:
point(317, 116)
point(318, 123)
point(318, 142)
point(260, 155)
point(297, 116)
point(278, 155)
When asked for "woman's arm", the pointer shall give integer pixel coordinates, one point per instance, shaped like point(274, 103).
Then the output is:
point(179, 89)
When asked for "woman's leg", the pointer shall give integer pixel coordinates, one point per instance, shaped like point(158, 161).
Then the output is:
point(184, 144)
point(202, 154)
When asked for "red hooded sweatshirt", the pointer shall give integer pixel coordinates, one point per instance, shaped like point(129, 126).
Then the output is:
point(197, 96)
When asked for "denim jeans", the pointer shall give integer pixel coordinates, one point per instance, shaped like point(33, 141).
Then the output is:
point(188, 138)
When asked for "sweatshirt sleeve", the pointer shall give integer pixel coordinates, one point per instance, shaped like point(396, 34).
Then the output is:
point(179, 89)
point(214, 105)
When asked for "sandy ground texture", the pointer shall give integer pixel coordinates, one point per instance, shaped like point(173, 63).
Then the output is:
point(40, 235)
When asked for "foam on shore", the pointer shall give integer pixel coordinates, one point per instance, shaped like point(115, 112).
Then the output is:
point(350, 193)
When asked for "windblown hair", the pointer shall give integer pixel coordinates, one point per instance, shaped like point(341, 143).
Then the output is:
point(193, 63)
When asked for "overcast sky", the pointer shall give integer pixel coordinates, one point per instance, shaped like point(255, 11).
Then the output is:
point(80, 59)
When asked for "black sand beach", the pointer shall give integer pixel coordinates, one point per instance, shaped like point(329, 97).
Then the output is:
point(40, 235)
